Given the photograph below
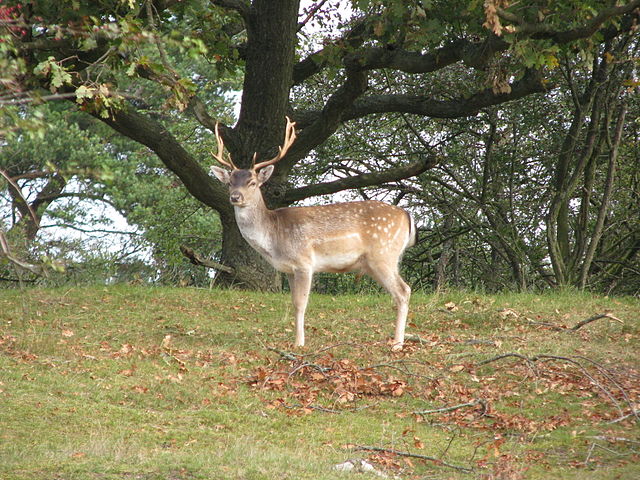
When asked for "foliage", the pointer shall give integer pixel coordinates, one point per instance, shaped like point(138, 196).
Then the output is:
point(103, 172)
point(482, 210)
point(98, 178)
point(161, 72)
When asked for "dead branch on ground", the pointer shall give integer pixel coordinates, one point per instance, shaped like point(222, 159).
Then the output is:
point(593, 319)
point(531, 361)
point(579, 325)
point(473, 403)
point(400, 453)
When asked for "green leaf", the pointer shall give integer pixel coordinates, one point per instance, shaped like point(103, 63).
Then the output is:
point(83, 92)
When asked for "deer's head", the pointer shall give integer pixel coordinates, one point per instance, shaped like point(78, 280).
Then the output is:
point(244, 183)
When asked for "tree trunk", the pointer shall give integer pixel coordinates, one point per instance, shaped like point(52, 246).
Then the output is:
point(29, 224)
point(440, 275)
point(598, 230)
point(271, 30)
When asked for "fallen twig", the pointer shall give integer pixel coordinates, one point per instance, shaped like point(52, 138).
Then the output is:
point(546, 324)
point(292, 357)
point(594, 445)
point(613, 439)
point(320, 408)
point(322, 370)
point(444, 452)
point(471, 341)
point(593, 319)
point(412, 337)
point(529, 361)
point(335, 345)
point(577, 326)
point(473, 403)
point(609, 376)
point(532, 360)
point(586, 374)
point(393, 451)
point(634, 413)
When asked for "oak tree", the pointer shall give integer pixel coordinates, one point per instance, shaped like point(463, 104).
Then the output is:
point(100, 56)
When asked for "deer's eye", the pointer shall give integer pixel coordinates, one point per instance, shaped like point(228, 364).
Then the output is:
point(252, 184)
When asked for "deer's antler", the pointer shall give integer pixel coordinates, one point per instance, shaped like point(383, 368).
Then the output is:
point(289, 138)
point(219, 157)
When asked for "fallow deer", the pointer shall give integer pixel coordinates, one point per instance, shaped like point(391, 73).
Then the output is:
point(367, 237)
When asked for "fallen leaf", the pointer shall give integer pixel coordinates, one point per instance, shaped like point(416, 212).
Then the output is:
point(452, 307)
point(507, 312)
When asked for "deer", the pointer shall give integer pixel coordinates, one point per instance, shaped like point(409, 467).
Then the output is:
point(367, 237)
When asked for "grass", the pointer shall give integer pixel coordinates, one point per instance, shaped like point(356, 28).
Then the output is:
point(166, 383)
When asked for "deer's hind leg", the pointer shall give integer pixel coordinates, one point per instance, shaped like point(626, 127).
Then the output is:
point(389, 277)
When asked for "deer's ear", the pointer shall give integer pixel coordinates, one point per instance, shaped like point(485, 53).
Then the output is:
point(264, 174)
point(221, 174)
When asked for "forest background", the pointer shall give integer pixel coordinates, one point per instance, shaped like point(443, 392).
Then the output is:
point(510, 130)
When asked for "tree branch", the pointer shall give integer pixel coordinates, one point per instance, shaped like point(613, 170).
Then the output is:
point(532, 82)
point(317, 61)
point(240, 6)
point(152, 134)
point(545, 31)
point(587, 321)
point(437, 461)
point(473, 54)
point(196, 259)
point(6, 252)
point(473, 403)
point(363, 180)
point(311, 14)
point(327, 121)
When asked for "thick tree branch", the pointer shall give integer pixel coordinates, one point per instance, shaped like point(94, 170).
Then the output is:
point(473, 54)
point(6, 252)
point(152, 134)
point(196, 106)
point(546, 31)
point(461, 107)
point(317, 61)
point(240, 6)
point(363, 180)
point(326, 122)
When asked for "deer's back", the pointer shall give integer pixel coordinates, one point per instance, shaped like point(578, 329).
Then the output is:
point(342, 236)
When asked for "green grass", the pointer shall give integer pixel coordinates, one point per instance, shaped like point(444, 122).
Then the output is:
point(144, 383)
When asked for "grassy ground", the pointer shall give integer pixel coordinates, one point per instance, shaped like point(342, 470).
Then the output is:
point(144, 383)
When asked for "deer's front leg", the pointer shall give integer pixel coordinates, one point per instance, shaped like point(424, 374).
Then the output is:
point(300, 284)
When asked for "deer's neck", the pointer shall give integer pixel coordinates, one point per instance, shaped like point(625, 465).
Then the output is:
point(255, 224)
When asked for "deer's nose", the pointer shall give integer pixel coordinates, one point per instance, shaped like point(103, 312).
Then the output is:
point(235, 197)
